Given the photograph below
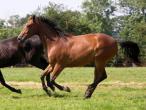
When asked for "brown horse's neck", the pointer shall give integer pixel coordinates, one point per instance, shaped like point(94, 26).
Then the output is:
point(46, 32)
point(47, 36)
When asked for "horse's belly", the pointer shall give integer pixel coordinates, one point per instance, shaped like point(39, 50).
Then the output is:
point(80, 61)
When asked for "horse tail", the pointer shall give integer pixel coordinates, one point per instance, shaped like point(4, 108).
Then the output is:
point(131, 50)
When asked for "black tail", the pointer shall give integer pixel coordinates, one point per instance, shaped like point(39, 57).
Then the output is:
point(131, 50)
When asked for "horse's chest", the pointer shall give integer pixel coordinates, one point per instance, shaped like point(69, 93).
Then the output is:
point(54, 55)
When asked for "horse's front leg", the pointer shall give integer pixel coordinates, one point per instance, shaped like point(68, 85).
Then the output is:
point(47, 71)
point(2, 81)
point(60, 87)
point(49, 84)
point(56, 71)
point(53, 83)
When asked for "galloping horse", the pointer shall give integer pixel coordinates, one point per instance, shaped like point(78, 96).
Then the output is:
point(30, 52)
point(70, 51)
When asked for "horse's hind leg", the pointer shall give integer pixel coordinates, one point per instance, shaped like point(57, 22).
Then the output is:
point(2, 81)
point(99, 75)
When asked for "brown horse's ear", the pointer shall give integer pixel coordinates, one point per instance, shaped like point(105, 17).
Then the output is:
point(36, 19)
point(33, 18)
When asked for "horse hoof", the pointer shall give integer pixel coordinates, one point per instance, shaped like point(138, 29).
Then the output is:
point(19, 91)
point(52, 88)
point(67, 89)
point(48, 93)
point(87, 97)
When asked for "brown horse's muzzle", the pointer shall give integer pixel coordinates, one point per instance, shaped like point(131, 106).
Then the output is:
point(20, 39)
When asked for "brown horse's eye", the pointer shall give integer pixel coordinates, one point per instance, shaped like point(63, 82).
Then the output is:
point(28, 26)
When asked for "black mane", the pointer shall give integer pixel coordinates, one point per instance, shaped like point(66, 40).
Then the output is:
point(53, 25)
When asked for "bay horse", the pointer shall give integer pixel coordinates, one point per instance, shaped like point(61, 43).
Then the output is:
point(70, 51)
point(30, 52)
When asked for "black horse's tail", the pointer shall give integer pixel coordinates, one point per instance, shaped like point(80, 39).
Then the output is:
point(131, 50)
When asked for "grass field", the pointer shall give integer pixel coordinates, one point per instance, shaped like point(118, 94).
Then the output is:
point(124, 89)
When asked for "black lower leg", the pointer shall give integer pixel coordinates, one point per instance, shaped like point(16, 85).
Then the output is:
point(44, 86)
point(2, 81)
point(11, 88)
point(90, 90)
point(67, 89)
point(49, 84)
point(98, 78)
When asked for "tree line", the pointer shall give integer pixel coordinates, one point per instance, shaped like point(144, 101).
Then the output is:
point(123, 19)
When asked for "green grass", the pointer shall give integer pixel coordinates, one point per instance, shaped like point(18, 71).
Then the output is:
point(106, 96)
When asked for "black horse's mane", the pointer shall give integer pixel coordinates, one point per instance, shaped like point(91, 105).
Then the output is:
point(53, 25)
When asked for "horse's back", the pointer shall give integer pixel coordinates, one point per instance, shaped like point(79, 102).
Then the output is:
point(103, 46)
point(99, 38)
point(83, 49)
point(97, 41)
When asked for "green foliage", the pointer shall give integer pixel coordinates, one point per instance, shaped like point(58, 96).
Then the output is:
point(90, 21)
point(14, 21)
point(133, 6)
point(2, 23)
point(132, 24)
point(9, 32)
point(98, 15)
point(79, 74)
point(70, 21)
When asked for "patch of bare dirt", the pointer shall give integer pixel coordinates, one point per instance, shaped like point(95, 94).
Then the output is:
point(125, 84)
point(29, 84)
point(37, 85)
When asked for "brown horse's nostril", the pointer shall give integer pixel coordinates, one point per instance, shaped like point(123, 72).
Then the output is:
point(18, 38)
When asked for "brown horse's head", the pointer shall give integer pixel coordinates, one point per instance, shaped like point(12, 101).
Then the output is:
point(29, 29)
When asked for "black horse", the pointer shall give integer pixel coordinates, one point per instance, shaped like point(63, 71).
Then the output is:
point(30, 52)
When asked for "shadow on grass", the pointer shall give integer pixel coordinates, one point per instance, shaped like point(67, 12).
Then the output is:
point(16, 97)
point(43, 95)
point(29, 96)
point(57, 95)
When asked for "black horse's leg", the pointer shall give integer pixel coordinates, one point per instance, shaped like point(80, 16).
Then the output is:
point(2, 81)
